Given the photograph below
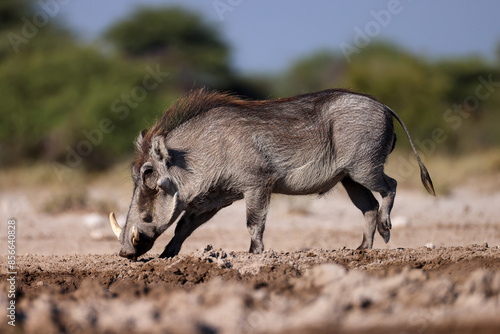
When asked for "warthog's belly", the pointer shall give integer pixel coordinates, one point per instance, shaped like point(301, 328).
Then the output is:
point(307, 181)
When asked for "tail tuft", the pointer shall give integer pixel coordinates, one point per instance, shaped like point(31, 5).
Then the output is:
point(424, 174)
point(426, 180)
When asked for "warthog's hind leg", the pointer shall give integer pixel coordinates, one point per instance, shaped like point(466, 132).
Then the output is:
point(386, 186)
point(257, 202)
point(364, 200)
point(388, 193)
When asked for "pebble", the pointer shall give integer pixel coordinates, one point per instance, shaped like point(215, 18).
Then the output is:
point(94, 220)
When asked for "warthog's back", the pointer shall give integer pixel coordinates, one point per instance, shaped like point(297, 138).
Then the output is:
point(304, 144)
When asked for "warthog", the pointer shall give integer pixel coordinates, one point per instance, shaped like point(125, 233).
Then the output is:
point(210, 149)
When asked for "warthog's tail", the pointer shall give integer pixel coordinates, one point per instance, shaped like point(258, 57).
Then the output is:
point(424, 174)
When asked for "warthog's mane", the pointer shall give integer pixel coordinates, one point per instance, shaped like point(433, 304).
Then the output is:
point(197, 102)
point(187, 107)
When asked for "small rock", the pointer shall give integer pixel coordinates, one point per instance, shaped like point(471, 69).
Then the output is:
point(94, 220)
point(430, 245)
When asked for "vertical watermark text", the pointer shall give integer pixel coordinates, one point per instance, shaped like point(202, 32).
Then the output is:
point(11, 272)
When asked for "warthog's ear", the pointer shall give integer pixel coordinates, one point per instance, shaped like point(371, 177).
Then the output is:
point(158, 149)
point(139, 140)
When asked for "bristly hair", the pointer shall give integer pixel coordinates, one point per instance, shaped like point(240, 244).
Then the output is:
point(200, 101)
point(189, 106)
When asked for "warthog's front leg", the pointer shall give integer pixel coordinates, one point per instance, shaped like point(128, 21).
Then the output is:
point(257, 202)
point(186, 225)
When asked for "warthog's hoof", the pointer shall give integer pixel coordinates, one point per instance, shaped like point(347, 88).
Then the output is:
point(385, 224)
point(256, 247)
point(171, 250)
point(384, 233)
point(384, 229)
point(387, 236)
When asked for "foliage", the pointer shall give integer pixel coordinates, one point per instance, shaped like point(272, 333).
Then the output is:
point(56, 94)
point(10, 12)
point(81, 105)
point(53, 95)
point(191, 48)
point(432, 97)
point(312, 73)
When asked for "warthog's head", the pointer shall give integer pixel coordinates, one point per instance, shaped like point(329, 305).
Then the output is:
point(155, 202)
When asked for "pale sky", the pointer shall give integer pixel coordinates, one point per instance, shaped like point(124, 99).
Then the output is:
point(268, 35)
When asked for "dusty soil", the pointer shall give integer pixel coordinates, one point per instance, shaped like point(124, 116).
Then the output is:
point(439, 273)
point(423, 290)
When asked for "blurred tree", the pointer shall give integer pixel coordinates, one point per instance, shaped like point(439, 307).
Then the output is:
point(407, 84)
point(473, 103)
point(77, 105)
point(73, 103)
point(433, 98)
point(498, 53)
point(22, 30)
point(183, 42)
point(320, 70)
point(11, 12)
point(53, 97)
point(56, 94)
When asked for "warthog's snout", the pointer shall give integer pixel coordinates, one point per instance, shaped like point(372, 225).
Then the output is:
point(130, 256)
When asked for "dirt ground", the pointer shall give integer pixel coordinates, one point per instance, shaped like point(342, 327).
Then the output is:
point(440, 272)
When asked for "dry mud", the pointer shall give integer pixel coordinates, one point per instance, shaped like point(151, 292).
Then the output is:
point(313, 281)
point(419, 290)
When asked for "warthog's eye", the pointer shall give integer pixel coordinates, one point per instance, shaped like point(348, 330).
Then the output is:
point(149, 177)
point(148, 172)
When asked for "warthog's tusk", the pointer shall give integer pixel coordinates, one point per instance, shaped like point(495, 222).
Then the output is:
point(114, 225)
point(174, 207)
point(135, 236)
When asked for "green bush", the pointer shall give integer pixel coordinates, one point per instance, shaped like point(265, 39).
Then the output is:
point(436, 99)
point(83, 105)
